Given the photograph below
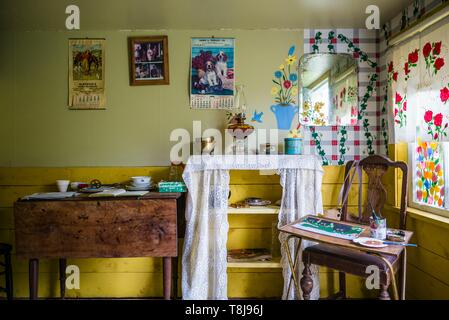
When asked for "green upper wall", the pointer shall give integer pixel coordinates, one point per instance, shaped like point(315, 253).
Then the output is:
point(37, 129)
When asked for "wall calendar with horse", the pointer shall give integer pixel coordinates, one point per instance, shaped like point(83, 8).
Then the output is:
point(86, 74)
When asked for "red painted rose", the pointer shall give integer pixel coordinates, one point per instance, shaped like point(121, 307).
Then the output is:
point(437, 48)
point(390, 67)
point(438, 120)
point(406, 69)
point(395, 76)
point(427, 49)
point(405, 106)
point(396, 111)
point(398, 98)
point(439, 63)
point(444, 94)
point(428, 116)
point(287, 84)
point(413, 57)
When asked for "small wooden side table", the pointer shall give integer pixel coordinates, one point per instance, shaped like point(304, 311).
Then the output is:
point(84, 227)
point(299, 234)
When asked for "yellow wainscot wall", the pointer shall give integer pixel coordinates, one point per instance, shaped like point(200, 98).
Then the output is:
point(427, 265)
point(142, 277)
point(428, 275)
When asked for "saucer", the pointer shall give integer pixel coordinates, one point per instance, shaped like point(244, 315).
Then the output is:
point(138, 188)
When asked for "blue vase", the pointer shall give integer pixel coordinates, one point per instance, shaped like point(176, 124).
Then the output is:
point(284, 115)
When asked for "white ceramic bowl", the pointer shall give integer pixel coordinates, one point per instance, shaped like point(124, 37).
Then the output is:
point(141, 180)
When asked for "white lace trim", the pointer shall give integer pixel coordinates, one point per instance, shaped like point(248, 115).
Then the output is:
point(204, 259)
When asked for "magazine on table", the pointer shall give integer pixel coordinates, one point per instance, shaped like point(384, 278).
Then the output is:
point(329, 228)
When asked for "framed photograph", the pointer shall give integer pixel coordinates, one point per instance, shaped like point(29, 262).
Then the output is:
point(148, 58)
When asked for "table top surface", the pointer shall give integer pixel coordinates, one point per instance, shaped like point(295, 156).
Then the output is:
point(85, 197)
point(312, 236)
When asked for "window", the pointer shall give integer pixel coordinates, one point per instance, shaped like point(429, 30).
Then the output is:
point(429, 166)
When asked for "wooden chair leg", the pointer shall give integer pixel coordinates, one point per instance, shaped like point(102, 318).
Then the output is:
point(62, 276)
point(306, 282)
point(8, 276)
point(342, 284)
point(384, 295)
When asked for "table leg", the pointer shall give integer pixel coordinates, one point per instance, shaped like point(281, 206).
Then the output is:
point(175, 278)
point(33, 278)
point(167, 275)
point(293, 265)
point(62, 276)
point(403, 273)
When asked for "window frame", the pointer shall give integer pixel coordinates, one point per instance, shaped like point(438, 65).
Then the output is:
point(412, 203)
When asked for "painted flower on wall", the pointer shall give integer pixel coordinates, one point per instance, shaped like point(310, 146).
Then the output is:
point(412, 62)
point(392, 74)
point(435, 125)
point(431, 52)
point(285, 91)
point(444, 95)
point(400, 110)
point(429, 181)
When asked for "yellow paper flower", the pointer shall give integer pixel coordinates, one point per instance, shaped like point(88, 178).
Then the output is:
point(290, 60)
point(420, 184)
point(274, 91)
point(434, 145)
point(281, 67)
point(295, 91)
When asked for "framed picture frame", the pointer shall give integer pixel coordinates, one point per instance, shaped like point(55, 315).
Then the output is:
point(148, 58)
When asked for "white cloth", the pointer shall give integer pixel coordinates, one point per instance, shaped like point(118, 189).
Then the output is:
point(204, 259)
point(301, 196)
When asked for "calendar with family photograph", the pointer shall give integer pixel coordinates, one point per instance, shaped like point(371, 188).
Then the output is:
point(212, 73)
point(149, 60)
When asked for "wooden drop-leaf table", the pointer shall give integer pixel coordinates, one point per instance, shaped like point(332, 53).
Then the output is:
point(83, 227)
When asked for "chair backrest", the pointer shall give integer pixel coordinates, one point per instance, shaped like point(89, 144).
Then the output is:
point(375, 167)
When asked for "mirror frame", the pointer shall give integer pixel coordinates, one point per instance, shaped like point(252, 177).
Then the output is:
point(300, 95)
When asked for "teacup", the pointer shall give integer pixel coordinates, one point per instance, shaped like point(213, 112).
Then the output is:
point(63, 185)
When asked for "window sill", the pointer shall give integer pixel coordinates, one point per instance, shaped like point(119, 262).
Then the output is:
point(425, 216)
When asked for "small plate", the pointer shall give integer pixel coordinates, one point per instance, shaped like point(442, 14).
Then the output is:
point(370, 242)
point(134, 188)
point(259, 203)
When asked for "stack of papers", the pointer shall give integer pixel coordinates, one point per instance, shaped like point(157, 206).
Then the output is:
point(118, 193)
point(50, 196)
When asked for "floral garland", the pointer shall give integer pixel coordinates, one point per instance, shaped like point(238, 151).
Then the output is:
point(318, 40)
point(370, 89)
point(343, 133)
point(317, 138)
point(343, 148)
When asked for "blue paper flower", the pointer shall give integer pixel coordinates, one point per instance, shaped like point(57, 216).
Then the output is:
point(278, 74)
point(293, 77)
point(427, 184)
point(291, 51)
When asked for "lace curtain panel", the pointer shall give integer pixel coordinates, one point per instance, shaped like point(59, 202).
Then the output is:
point(418, 87)
point(204, 258)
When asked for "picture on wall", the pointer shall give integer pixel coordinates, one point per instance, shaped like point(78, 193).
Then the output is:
point(212, 73)
point(148, 58)
point(87, 74)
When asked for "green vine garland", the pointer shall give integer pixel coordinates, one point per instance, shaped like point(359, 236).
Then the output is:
point(317, 138)
point(343, 132)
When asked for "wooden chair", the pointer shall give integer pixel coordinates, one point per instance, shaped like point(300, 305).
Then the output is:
point(353, 261)
point(5, 251)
